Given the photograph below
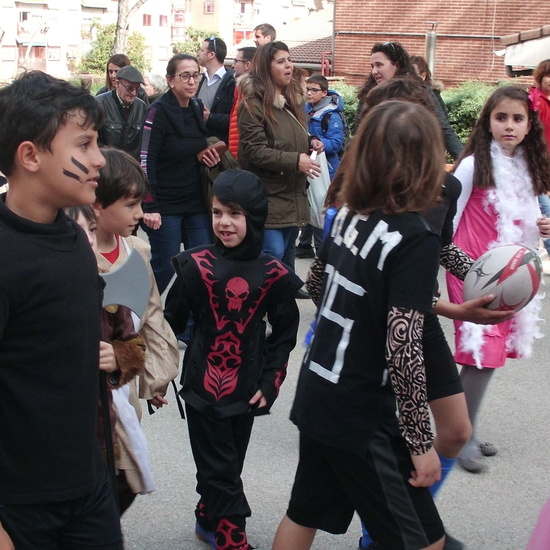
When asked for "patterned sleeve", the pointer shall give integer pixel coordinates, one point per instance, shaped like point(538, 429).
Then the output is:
point(314, 283)
point(408, 377)
point(456, 261)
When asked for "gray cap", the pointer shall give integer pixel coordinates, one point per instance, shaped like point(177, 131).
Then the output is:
point(131, 74)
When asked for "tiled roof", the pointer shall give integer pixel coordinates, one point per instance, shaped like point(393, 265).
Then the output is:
point(307, 38)
point(525, 35)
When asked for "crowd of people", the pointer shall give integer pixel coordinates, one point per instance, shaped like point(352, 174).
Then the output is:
point(85, 172)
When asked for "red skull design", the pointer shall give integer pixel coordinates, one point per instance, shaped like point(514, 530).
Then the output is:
point(236, 291)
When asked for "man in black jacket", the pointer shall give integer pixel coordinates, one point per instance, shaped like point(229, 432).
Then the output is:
point(216, 88)
point(124, 112)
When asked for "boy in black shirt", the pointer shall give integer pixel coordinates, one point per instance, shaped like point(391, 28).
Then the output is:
point(54, 490)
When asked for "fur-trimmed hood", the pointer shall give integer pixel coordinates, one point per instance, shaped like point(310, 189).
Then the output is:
point(246, 85)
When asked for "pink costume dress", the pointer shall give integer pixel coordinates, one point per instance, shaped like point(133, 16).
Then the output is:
point(486, 218)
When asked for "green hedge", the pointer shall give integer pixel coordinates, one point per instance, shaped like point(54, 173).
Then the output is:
point(349, 94)
point(464, 103)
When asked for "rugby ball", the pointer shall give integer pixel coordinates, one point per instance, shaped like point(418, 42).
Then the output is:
point(512, 273)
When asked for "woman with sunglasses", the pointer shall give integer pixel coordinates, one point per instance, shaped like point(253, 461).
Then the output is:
point(275, 145)
point(391, 60)
point(174, 132)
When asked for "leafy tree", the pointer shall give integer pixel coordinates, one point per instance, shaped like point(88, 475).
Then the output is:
point(96, 59)
point(124, 13)
point(193, 40)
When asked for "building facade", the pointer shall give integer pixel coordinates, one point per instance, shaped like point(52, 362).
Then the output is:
point(54, 35)
point(468, 33)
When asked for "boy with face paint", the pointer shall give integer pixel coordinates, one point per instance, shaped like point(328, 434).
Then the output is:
point(54, 489)
point(232, 371)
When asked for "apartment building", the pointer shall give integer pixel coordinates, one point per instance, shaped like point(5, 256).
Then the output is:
point(53, 35)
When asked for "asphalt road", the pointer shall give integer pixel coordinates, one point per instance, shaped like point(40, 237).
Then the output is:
point(495, 510)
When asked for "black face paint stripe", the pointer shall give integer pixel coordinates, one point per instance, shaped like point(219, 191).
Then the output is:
point(70, 175)
point(79, 165)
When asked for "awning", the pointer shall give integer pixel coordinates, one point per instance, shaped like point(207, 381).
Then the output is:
point(528, 54)
point(526, 49)
point(26, 42)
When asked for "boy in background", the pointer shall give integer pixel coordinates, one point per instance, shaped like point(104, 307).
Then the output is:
point(54, 487)
point(324, 110)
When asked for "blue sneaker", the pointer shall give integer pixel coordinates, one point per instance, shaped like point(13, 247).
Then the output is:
point(206, 536)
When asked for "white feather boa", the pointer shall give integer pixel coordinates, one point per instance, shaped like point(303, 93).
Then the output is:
point(517, 210)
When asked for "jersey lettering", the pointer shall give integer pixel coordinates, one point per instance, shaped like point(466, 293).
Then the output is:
point(336, 282)
point(390, 240)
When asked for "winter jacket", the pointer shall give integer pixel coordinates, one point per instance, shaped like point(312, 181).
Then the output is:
point(172, 137)
point(218, 121)
point(116, 131)
point(272, 150)
point(233, 142)
point(333, 137)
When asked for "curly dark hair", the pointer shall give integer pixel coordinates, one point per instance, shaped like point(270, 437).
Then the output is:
point(395, 52)
point(534, 144)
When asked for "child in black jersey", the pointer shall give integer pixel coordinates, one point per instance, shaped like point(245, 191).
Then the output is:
point(365, 358)
point(232, 371)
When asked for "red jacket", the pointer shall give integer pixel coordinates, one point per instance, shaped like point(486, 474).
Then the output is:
point(233, 128)
point(541, 104)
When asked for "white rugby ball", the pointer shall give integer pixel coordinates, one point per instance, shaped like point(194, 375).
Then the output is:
point(512, 273)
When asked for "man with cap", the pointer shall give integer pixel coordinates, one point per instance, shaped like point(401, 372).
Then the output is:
point(124, 112)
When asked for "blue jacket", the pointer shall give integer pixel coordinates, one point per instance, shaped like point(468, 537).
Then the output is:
point(333, 138)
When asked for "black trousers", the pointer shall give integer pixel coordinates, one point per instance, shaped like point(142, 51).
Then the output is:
point(219, 449)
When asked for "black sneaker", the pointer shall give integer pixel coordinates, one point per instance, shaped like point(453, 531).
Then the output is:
point(304, 253)
point(452, 544)
point(302, 294)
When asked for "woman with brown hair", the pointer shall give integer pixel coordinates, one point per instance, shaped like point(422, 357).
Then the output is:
point(274, 145)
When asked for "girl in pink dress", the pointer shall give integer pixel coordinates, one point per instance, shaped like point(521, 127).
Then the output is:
point(503, 168)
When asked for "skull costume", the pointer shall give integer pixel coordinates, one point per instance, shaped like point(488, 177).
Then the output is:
point(230, 291)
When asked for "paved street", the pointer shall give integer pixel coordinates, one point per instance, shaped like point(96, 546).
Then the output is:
point(495, 510)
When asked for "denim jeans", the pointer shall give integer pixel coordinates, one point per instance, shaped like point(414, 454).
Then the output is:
point(544, 203)
point(281, 243)
point(190, 229)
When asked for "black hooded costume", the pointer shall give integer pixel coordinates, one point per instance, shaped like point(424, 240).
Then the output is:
point(230, 291)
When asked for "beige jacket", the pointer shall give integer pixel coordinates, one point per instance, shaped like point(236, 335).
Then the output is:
point(161, 356)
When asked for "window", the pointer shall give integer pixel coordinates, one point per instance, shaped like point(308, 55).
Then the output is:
point(146, 20)
point(209, 6)
point(163, 20)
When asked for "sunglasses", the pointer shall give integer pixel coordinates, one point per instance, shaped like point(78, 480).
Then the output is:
point(213, 40)
point(130, 89)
